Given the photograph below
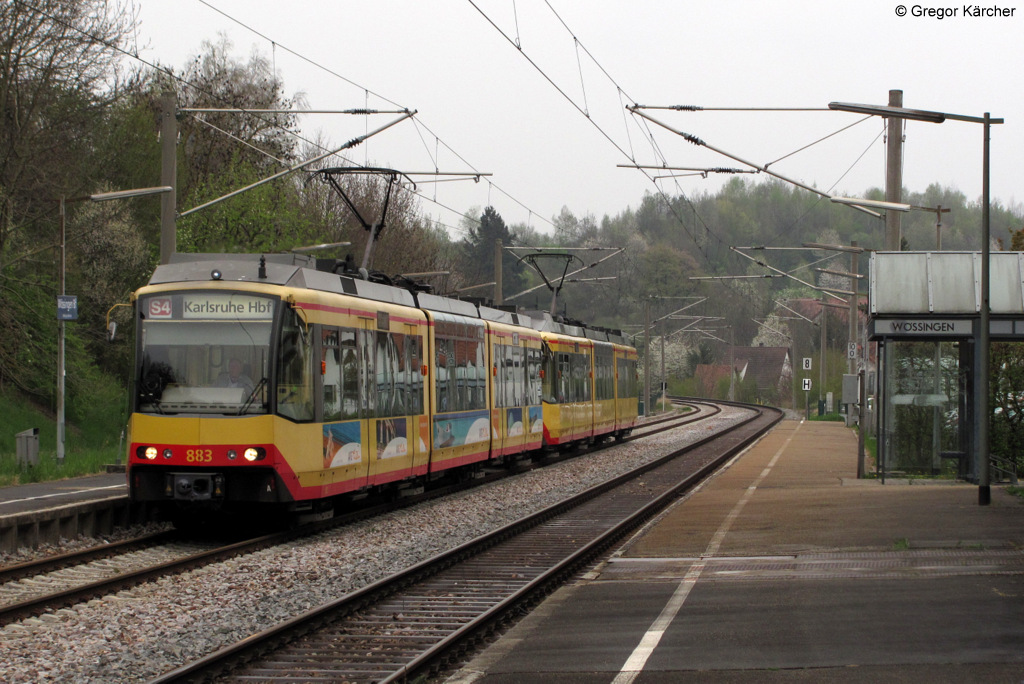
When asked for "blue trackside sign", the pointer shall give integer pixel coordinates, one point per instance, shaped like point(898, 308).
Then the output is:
point(67, 307)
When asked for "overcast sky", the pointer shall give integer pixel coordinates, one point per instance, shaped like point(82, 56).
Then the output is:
point(483, 107)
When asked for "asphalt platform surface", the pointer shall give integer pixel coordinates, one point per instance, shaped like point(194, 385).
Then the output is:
point(787, 568)
point(38, 496)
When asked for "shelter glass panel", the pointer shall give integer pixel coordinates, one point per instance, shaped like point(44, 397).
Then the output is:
point(926, 405)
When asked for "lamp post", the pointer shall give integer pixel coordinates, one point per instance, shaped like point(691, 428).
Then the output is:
point(99, 197)
point(984, 356)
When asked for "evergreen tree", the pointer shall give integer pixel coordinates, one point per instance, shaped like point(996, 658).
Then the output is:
point(478, 253)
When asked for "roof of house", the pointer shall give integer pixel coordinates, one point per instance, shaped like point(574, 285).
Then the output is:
point(766, 365)
point(709, 375)
point(811, 308)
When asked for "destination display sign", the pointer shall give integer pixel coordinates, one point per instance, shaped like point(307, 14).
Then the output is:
point(209, 306)
point(923, 327)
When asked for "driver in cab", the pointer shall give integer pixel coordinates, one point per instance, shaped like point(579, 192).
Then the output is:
point(235, 377)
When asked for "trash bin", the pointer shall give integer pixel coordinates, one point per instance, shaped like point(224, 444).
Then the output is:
point(27, 445)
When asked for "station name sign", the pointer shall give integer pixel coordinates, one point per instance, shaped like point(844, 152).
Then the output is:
point(67, 308)
point(923, 327)
point(210, 306)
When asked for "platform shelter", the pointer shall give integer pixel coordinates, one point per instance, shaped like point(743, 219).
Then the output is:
point(925, 315)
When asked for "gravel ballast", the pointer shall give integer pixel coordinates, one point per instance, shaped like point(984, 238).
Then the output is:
point(140, 633)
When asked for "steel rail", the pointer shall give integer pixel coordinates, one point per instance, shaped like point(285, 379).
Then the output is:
point(39, 566)
point(440, 654)
point(74, 595)
point(434, 656)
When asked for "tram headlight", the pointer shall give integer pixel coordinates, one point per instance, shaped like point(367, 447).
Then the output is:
point(254, 454)
point(232, 454)
point(147, 452)
point(168, 454)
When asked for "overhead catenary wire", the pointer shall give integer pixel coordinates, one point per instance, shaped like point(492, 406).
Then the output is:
point(699, 108)
point(158, 68)
point(593, 122)
point(700, 143)
point(318, 65)
point(788, 275)
point(668, 203)
point(819, 140)
point(238, 110)
point(832, 187)
point(238, 140)
point(618, 250)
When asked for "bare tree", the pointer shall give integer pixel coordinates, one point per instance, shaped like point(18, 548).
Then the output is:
point(213, 141)
point(58, 72)
point(57, 63)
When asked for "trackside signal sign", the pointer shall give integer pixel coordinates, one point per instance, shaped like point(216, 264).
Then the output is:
point(807, 384)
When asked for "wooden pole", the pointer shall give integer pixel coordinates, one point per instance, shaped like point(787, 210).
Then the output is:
point(168, 175)
point(894, 173)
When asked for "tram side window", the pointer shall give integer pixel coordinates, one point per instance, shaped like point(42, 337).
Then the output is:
point(475, 376)
point(414, 356)
point(588, 377)
point(367, 374)
point(580, 365)
point(503, 378)
point(340, 374)
point(506, 390)
point(498, 352)
point(533, 381)
point(508, 370)
point(478, 398)
point(604, 379)
point(461, 372)
point(294, 372)
point(444, 363)
point(551, 380)
point(626, 369)
point(329, 338)
point(510, 379)
point(349, 367)
point(565, 387)
point(390, 377)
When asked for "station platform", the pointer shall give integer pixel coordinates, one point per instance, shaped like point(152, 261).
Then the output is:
point(43, 512)
point(786, 568)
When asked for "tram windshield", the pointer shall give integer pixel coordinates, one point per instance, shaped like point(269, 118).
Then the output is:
point(204, 352)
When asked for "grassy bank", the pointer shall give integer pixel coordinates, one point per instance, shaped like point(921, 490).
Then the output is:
point(89, 446)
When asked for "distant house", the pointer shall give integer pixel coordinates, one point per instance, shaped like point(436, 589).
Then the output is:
point(771, 368)
point(838, 315)
point(708, 376)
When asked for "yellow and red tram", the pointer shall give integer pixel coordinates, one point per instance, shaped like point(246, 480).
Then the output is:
point(267, 380)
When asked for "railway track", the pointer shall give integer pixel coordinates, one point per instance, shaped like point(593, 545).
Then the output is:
point(47, 584)
point(421, 621)
point(47, 564)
